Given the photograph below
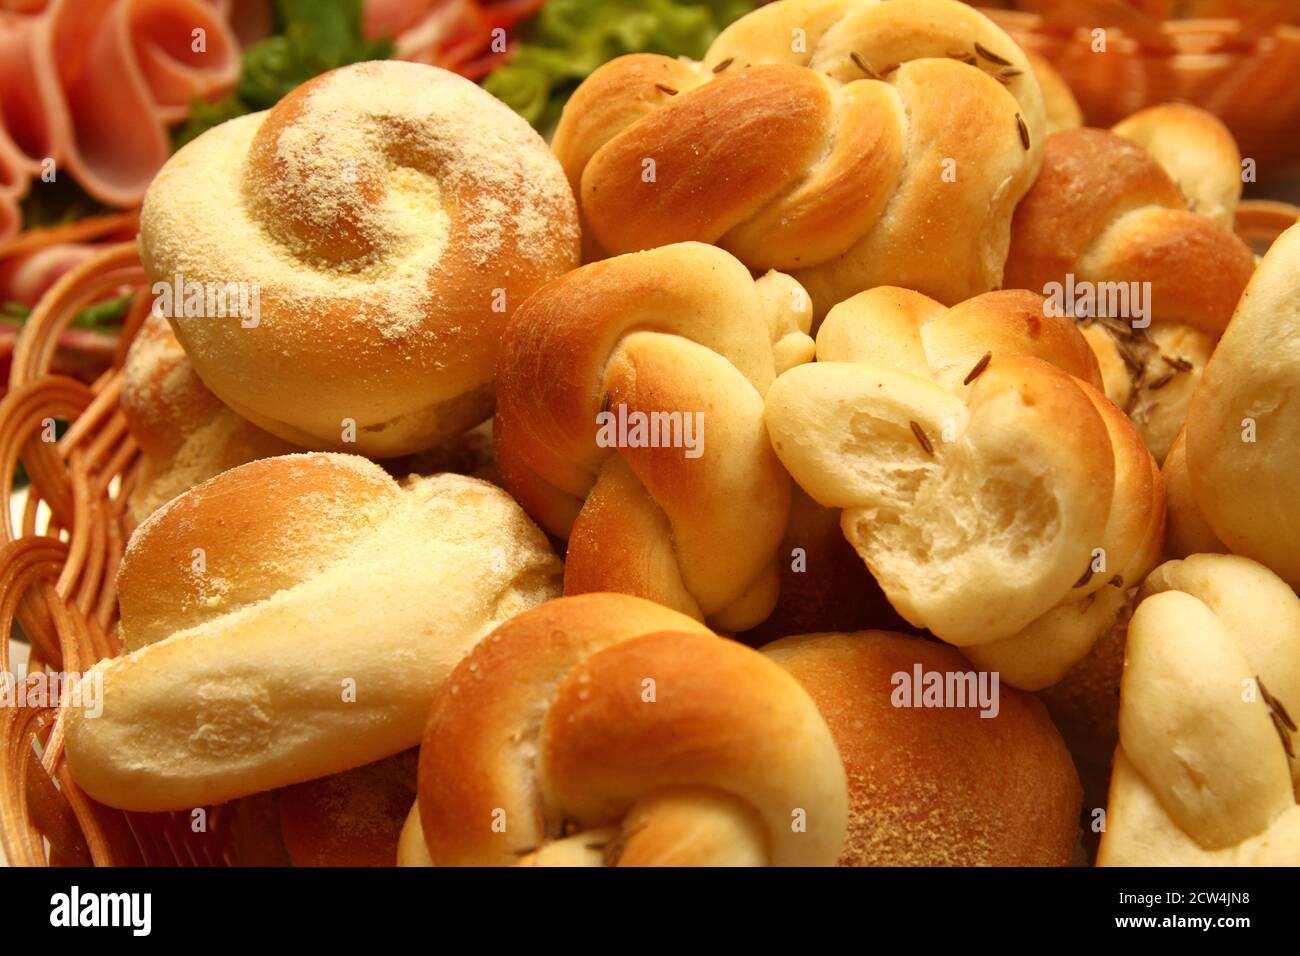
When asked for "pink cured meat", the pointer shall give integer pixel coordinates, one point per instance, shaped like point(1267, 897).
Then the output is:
point(94, 84)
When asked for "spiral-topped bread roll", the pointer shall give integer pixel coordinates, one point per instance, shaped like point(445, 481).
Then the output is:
point(1205, 772)
point(997, 496)
point(389, 216)
point(690, 510)
point(851, 143)
point(1106, 216)
point(606, 729)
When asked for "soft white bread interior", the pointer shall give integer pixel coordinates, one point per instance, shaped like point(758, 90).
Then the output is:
point(1243, 426)
point(1205, 772)
point(604, 729)
point(389, 216)
point(293, 618)
point(999, 499)
point(941, 785)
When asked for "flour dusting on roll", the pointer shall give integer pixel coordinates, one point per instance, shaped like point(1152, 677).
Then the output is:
point(379, 224)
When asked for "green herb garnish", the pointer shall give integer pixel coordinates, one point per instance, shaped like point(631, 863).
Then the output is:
point(313, 37)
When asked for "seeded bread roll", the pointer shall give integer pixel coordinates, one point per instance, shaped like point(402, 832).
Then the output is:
point(1205, 773)
point(185, 433)
point(604, 729)
point(850, 143)
point(936, 786)
point(999, 499)
point(293, 618)
point(1108, 213)
point(390, 216)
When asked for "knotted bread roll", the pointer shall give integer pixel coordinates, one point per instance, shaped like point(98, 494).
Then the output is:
point(604, 729)
point(1205, 772)
point(293, 618)
point(851, 143)
point(1106, 215)
point(185, 433)
point(684, 336)
point(997, 496)
point(1242, 454)
point(938, 785)
point(389, 216)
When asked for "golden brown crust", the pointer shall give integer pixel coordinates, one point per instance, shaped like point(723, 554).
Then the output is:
point(1105, 213)
point(606, 711)
point(383, 275)
point(185, 432)
point(293, 618)
point(352, 818)
point(936, 786)
point(810, 139)
point(682, 331)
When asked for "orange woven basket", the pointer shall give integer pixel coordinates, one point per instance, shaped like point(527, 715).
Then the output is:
point(58, 570)
point(1244, 68)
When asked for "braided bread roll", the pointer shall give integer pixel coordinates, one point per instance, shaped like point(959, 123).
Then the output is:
point(606, 729)
point(936, 786)
point(292, 618)
point(391, 216)
point(681, 330)
point(185, 433)
point(850, 143)
point(1205, 773)
point(1103, 210)
point(1242, 451)
point(997, 496)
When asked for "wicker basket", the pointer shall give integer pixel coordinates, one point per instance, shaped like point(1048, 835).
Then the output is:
point(1244, 70)
point(58, 571)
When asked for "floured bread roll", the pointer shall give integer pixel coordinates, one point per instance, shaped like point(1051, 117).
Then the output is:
point(1115, 215)
point(389, 216)
point(937, 785)
point(293, 618)
point(603, 729)
point(997, 496)
point(1242, 454)
point(1205, 772)
point(187, 434)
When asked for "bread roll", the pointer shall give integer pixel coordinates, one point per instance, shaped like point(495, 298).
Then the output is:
point(390, 217)
point(293, 618)
point(606, 729)
point(850, 143)
point(1105, 213)
point(1060, 108)
point(1243, 427)
point(354, 818)
point(936, 786)
point(1205, 773)
point(999, 499)
point(185, 433)
point(690, 513)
